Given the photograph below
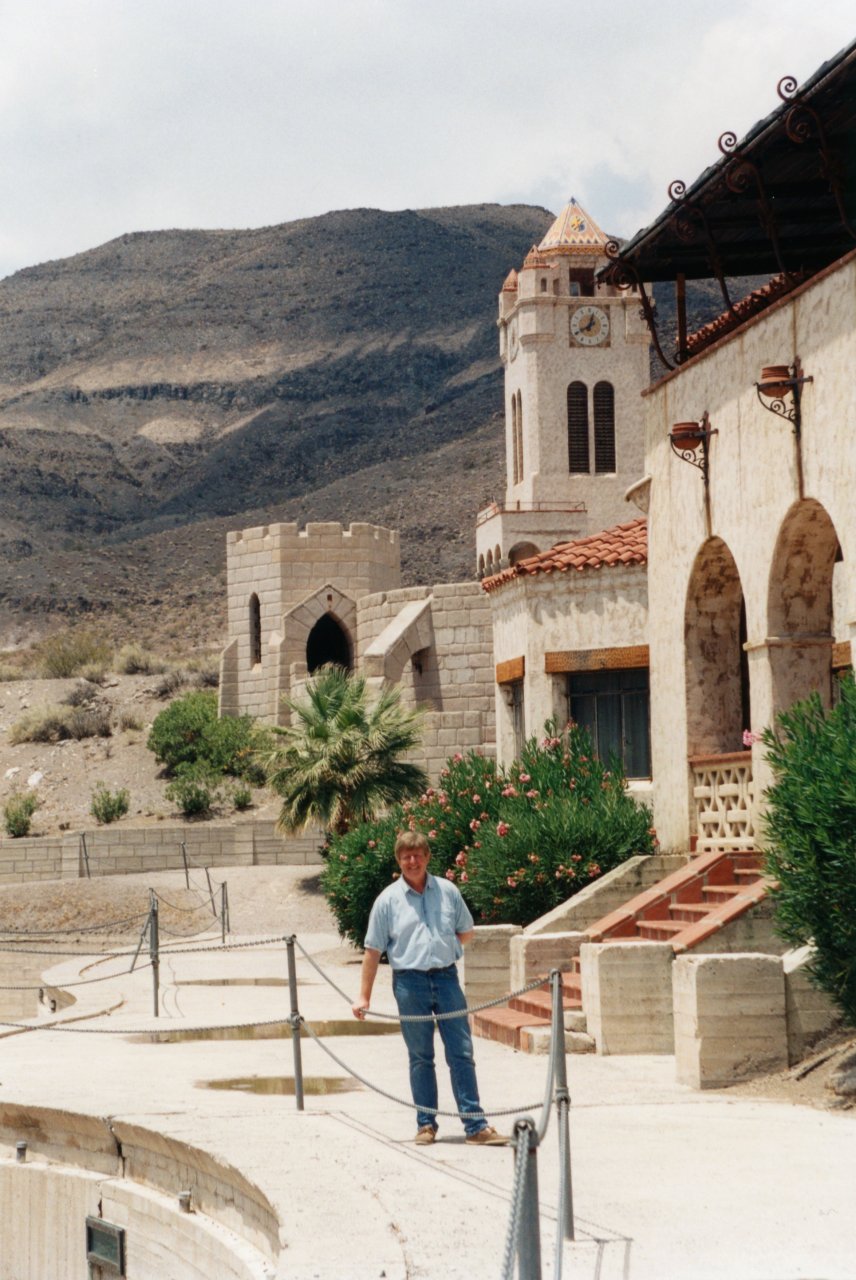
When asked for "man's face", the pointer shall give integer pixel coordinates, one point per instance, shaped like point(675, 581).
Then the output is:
point(413, 863)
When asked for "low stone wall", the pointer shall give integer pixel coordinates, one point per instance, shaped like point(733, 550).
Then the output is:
point(486, 963)
point(608, 893)
point(810, 1012)
point(123, 848)
point(79, 1166)
point(627, 995)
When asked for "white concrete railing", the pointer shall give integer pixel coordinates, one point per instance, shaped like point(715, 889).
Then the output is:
point(723, 795)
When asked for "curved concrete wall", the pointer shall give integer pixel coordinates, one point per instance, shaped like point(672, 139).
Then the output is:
point(79, 1166)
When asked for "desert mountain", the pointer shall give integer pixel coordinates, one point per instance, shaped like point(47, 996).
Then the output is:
point(168, 386)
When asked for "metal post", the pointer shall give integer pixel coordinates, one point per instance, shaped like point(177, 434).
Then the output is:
point(226, 907)
point(145, 930)
point(295, 1024)
point(223, 913)
point(183, 848)
point(154, 948)
point(563, 1107)
point(211, 893)
point(85, 852)
point(529, 1239)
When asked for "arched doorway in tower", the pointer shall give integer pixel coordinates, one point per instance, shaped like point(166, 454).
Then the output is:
point(328, 642)
point(801, 624)
point(717, 672)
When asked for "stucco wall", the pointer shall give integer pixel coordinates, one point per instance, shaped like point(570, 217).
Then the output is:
point(754, 495)
point(550, 612)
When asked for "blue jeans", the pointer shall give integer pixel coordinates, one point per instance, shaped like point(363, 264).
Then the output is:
point(438, 991)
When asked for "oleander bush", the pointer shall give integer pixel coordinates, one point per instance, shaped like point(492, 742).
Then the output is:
point(517, 842)
point(109, 806)
point(810, 837)
point(18, 812)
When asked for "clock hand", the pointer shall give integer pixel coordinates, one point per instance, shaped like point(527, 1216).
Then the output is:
point(589, 326)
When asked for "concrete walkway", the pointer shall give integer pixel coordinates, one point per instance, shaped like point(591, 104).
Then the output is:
point(668, 1184)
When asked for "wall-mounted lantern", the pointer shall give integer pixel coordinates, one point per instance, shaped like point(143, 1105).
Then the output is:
point(780, 391)
point(691, 441)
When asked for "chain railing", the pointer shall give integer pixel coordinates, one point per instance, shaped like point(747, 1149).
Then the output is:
point(522, 1253)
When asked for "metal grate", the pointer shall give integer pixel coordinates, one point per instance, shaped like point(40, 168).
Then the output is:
point(604, 427)
point(578, 434)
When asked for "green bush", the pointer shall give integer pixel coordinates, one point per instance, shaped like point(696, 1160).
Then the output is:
point(195, 790)
point(18, 812)
point(69, 652)
point(108, 806)
point(189, 732)
point(811, 837)
point(242, 797)
point(516, 842)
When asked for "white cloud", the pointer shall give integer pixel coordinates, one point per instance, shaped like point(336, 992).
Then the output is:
point(119, 116)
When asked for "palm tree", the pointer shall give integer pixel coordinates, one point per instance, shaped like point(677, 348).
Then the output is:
point(339, 762)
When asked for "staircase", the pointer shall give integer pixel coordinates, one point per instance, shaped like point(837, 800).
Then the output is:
point(686, 909)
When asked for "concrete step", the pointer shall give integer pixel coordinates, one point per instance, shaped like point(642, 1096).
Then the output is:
point(722, 892)
point(689, 912)
point(537, 1040)
point(541, 1002)
point(574, 1019)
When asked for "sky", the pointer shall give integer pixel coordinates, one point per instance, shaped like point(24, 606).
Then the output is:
point(137, 115)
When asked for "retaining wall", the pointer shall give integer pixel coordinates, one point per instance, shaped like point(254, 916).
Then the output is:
point(122, 849)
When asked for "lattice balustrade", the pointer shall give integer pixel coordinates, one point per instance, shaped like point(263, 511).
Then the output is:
point(723, 793)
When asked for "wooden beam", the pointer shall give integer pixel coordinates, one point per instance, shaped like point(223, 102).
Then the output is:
point(512, 670)
point(576, 660)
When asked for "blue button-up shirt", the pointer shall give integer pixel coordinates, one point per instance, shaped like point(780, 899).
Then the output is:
point(419, 930)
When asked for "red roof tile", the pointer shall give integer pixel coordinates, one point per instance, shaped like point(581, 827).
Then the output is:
point(623, 544)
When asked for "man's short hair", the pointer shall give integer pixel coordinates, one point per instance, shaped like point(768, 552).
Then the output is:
point(411, 840)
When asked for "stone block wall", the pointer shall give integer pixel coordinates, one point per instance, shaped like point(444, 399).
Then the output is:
point(486, 969)
point(730, 1018)
point(627, 995)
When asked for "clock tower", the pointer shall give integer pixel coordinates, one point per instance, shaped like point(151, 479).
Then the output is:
point(575, 355)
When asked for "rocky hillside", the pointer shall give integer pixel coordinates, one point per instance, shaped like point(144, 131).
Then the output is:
point(165, 387)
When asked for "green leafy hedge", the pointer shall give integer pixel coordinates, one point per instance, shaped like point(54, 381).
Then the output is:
point(189, 734)
point(517, 842)
point(811, 837)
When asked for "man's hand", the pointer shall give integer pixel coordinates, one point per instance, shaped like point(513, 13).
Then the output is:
point(358, 1008)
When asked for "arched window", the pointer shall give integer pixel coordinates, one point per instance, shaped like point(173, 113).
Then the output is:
point(255, 631)
point(327, 643)
point(578, 434)
point(518, 454)
point(604, 427)
point(515, 471)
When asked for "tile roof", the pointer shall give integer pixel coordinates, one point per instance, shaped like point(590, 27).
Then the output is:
point(573, 231)
point(753, 303)
point(622, 545)
point(534, 259)
point(510, 284)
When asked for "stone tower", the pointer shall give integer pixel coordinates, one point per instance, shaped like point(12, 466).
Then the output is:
point(575, 354)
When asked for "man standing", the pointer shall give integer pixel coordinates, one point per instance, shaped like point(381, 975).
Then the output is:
point(422, 924)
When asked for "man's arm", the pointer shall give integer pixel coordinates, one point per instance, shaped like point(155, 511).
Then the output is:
point(368, 973)
point(466, 937)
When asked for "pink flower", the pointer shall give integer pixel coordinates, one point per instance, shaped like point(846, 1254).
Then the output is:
point(464, 877)
point(509, 791)
point(477, 844)
point(530, 795)
point(342, 858)
point(576, 857)
point(450, 875)
point(432, 835)
point(457, 757)
point(461, 859)
point(749, 737)
point(525, 777)
point(474, 824)
point(476, 799)
point(372, 844)
point(533, 857)
point(511, 882)
point(502, 828)
point(594, 869)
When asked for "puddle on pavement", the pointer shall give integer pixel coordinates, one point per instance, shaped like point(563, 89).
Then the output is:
point(281, 1084)
point(234, 982)
point(278, 1031)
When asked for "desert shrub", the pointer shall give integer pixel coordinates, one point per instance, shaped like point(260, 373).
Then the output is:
point(80, 694)
point(242, 797)
point(130, 720)
point(95, 672)
point(18, 812)
point(54, 724)
point(189, 732)
point(195, 790)
point(206, 674)
point(108, 806)
point(89, 722)
point(134, 660)
point(810, 837)
point(8, 673)
point(68, 652)
point(170, 684)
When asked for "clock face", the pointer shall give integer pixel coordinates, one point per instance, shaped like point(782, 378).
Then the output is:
point(590, 326)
